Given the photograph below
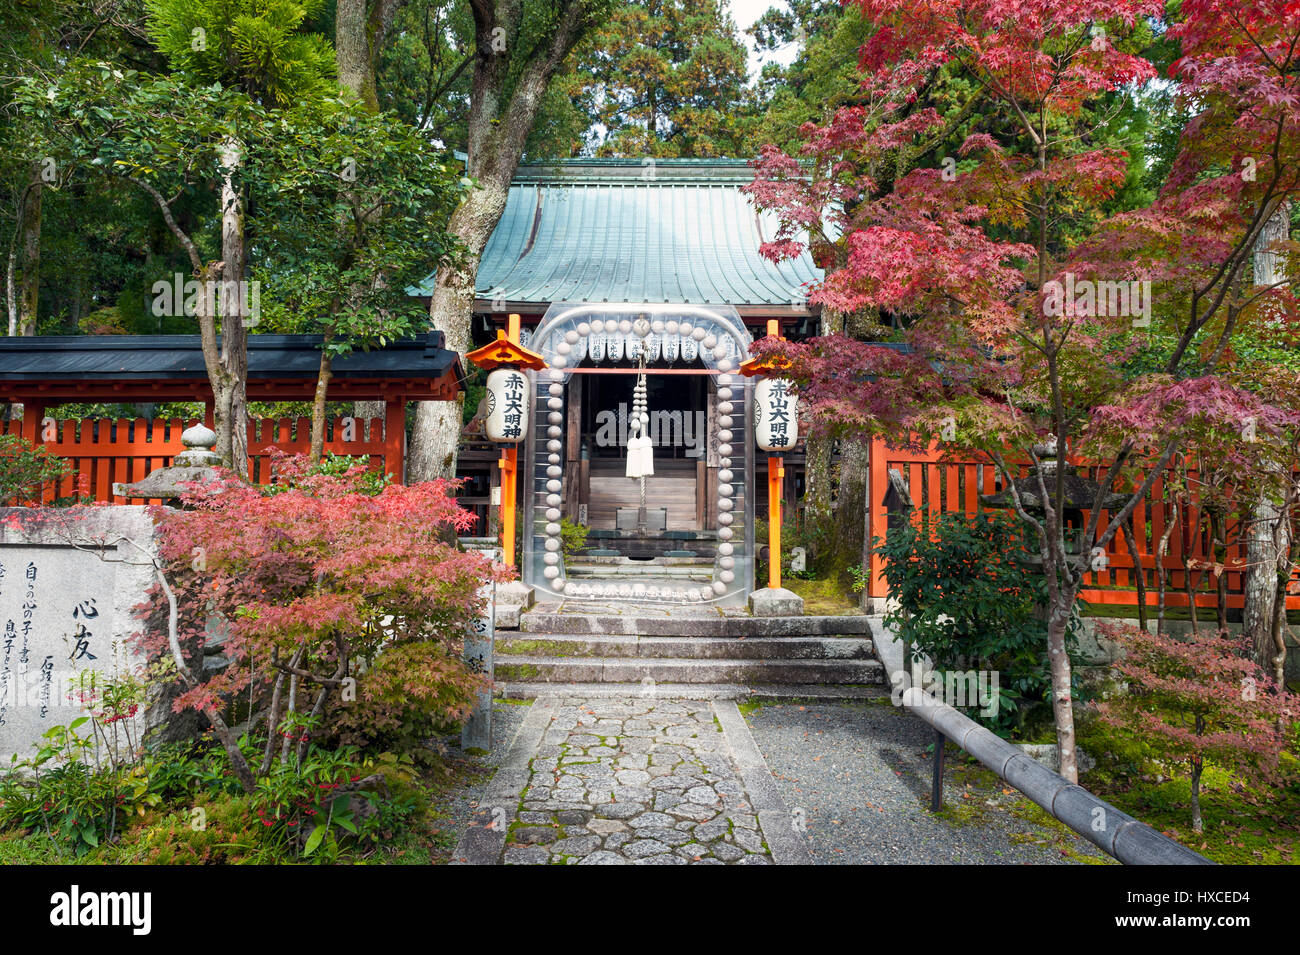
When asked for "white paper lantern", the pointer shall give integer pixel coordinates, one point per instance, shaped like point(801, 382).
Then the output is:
point(507, 397)
point(776, 415)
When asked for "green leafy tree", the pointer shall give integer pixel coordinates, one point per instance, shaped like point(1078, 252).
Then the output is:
point(822, 77)
point(666, 78)
point(355, 204)
point(264, 49)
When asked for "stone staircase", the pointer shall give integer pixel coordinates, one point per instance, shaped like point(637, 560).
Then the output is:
point(622, 650)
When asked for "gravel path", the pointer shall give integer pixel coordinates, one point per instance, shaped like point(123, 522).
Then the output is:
point(457, 805)
point(857, 776)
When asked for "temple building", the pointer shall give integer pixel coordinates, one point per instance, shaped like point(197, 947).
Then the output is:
point(640, 284)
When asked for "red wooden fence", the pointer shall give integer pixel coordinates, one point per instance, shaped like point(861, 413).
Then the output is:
point(107, 451)
point(937, 485)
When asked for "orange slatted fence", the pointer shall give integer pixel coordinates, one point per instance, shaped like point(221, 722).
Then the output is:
point(940, 485)
point(105, 451)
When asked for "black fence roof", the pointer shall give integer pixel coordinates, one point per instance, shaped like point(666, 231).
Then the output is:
point(62, 358)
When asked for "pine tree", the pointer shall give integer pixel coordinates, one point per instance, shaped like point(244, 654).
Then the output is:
point(667, 78)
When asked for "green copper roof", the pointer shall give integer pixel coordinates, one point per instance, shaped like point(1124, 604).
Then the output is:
point(632, 230)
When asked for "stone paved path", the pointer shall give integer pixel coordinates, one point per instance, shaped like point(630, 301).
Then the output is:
point(634, 781)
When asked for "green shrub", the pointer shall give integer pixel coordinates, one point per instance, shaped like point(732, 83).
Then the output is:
point(573, 536)
point(24, 470)
point(216, 830)
point(967, 601)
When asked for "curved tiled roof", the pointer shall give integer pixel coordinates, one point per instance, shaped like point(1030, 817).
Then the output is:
point(626, 230)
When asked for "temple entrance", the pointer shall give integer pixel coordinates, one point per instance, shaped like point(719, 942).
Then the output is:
point(621, 378)
point(675, 494)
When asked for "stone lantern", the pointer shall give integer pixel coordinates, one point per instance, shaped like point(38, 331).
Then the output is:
point(1080, 495)
point(197, 463)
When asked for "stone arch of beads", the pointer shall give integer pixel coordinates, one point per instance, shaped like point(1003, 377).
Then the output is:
point(719, 337)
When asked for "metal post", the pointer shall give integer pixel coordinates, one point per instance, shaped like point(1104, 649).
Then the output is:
point(936, 786)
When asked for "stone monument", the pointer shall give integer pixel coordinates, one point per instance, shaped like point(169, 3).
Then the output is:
point(69, 579)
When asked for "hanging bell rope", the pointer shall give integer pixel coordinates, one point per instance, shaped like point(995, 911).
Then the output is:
point(640, 453)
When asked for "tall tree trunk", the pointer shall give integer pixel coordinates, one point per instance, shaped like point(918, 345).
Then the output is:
point(819, 494)
point(352, 50)
point(1267, 532)
point(436, 433)
point(850, 521)
point(818, 498)
point(358, 47)
point(1266, 541)
point(30, 290)
point(1139, 574)
point(1058, 658)
point(360, 29)
point(229, 391)
point(1162, 572)
point(318, 405)
point(1197, 768)
point(497, 129)
point(25, 242)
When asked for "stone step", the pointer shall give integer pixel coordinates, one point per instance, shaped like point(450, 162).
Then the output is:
point(784, 692)
point(550, 669)
point(676, 622)
point(699, 648)
point(638, 573)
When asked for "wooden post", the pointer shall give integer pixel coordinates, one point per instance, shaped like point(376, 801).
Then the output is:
point(509, 468)
point(509, 472)
point(395, 437)
point(877, 518)
point(33, 415)
point(775, 478)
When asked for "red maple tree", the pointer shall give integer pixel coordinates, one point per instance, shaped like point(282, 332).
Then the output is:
point(970, 252)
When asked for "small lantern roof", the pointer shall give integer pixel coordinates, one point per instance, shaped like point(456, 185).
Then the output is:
point(756, 366)
point(504, 352)
point(762, 366)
